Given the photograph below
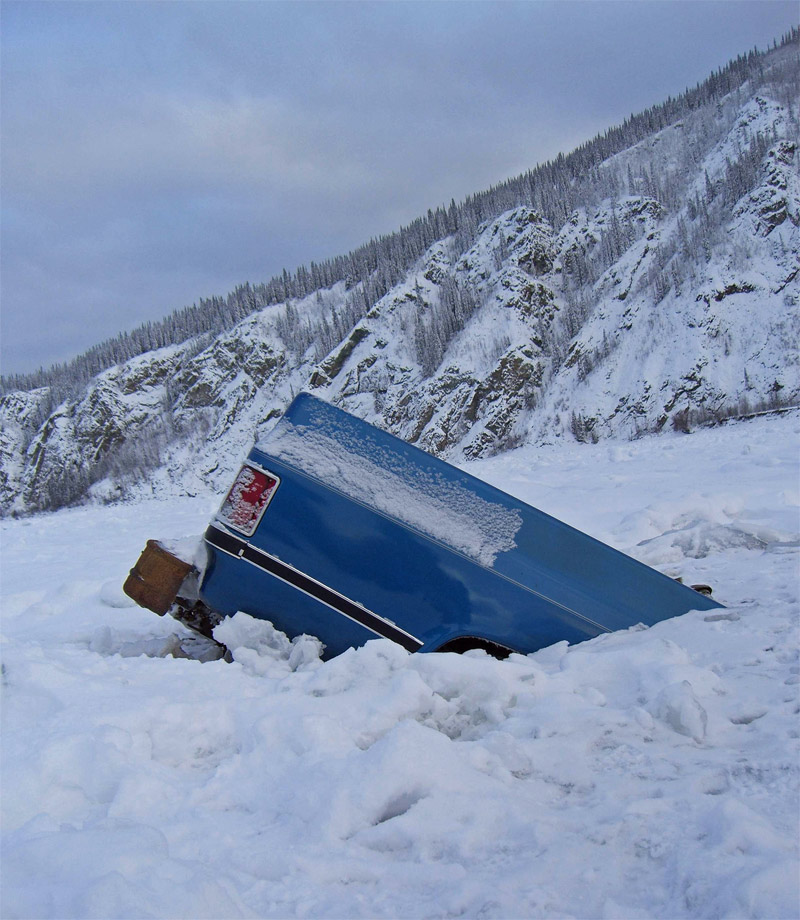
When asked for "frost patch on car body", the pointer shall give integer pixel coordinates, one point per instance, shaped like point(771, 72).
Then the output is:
point(381, 478)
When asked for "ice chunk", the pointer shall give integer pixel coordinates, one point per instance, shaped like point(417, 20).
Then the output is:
point(680, 709)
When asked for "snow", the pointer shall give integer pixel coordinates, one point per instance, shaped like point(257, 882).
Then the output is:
point(386, 480)
point(651, 773)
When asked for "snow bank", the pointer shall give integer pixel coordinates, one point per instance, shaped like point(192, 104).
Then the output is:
point(649, 773)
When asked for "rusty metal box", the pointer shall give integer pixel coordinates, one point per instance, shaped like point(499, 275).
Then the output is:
point(156, 578)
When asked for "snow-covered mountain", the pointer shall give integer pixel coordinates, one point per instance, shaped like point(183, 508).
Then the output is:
point(667, 296)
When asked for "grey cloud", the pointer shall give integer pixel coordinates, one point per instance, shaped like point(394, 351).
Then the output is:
point(156, 153)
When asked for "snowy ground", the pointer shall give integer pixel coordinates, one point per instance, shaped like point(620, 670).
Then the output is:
point(652, 773)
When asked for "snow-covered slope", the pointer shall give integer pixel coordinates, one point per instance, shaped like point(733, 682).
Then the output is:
point(669, 297)
point(648, 774)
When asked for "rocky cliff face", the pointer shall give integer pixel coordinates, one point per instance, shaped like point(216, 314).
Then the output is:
point(671, 299)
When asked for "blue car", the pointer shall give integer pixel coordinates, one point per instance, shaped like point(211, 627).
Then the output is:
point(335, 528)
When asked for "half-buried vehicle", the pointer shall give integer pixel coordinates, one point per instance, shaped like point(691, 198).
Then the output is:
point(335, 528)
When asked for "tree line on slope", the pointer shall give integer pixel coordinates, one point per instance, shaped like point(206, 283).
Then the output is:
point(554, 188)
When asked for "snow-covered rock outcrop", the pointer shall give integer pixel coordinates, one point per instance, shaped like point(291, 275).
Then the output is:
point(669, 297)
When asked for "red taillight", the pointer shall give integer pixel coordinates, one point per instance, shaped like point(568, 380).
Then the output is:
point(249, 496)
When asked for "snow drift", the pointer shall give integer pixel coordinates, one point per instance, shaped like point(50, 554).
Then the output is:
point(650, 773)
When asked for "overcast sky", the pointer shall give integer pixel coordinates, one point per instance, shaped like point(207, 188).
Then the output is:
point(156, 153)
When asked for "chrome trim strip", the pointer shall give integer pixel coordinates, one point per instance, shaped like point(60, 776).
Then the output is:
point(240, 549)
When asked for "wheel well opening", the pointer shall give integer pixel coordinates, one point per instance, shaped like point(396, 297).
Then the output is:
point(466, 643)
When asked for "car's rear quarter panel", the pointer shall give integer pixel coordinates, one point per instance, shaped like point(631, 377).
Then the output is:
point(551, 583)
point(424, 587)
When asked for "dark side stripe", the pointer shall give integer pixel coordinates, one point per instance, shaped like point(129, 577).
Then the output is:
point(241, 549)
